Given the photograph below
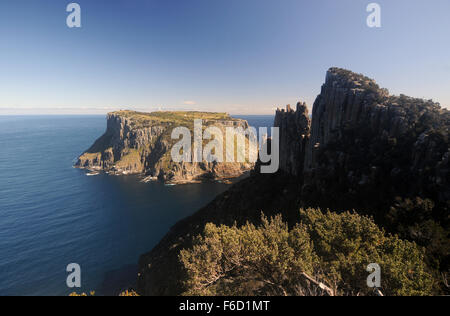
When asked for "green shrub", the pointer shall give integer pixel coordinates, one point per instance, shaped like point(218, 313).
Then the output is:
point(324, 254)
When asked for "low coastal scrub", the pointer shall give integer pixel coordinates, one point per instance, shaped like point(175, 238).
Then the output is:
point(125, 293)
point(142, 119)
point(324, 254)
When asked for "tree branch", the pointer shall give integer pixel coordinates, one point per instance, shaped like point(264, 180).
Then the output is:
point(320, 284)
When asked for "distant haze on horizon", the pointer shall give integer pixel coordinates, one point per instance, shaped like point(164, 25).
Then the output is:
point(240, 57)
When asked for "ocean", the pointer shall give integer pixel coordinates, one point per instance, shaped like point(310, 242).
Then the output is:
point(52, 215)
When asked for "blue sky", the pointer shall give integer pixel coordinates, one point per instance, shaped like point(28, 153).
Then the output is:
point(239, 56)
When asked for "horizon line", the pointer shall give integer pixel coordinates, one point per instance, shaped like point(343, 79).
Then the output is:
point(104, 114)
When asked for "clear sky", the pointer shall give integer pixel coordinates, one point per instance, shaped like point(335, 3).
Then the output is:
point(239, 56)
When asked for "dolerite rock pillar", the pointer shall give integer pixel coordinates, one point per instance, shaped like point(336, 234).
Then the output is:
point(346, 99)
point(294, 133)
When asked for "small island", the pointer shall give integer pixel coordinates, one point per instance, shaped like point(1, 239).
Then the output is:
point(140, 143)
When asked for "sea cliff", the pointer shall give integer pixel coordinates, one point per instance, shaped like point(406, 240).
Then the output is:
point(364, 142)
point(141, 143)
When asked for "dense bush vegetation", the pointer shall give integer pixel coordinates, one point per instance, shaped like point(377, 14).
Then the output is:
point(124, 293)
point(324, 254)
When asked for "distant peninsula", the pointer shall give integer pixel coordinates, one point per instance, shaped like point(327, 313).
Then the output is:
point(141, 143)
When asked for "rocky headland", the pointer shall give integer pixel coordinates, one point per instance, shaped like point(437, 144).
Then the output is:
point(141, 143)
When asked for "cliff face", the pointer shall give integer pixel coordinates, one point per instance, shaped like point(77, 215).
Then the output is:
point(123, 148)
point(294, 134)
point(368, 142)
point(365, 150)
point(361, 139)
point(140, 143)
point(346, 100)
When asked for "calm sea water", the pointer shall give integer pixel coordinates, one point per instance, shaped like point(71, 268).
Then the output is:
point(52, 214)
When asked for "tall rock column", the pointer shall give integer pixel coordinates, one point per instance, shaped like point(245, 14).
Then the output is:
point(346, 99)
point(294, 132)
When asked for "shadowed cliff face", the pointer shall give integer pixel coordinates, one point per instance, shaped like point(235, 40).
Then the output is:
point(360, 137)
point(365, 143)
point(387, 156)
point(294, 134)
point(141, 143)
